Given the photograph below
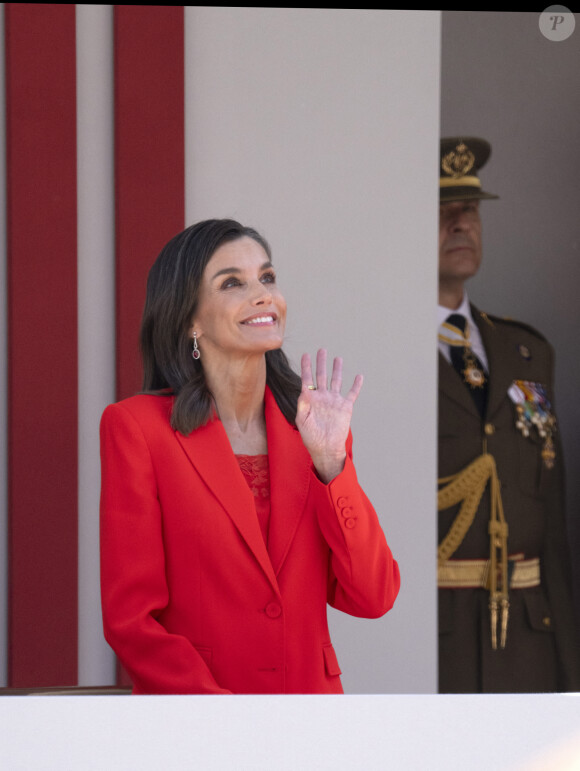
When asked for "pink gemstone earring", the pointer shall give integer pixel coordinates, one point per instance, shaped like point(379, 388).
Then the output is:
point(195, 353)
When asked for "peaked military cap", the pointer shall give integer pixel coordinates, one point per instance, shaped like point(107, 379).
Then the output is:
point(461, 158)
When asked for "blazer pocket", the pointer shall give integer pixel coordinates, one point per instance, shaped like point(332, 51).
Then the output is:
point(538, 611)
point(330, 661)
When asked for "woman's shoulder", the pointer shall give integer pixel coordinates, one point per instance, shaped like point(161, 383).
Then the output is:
point(143, 408)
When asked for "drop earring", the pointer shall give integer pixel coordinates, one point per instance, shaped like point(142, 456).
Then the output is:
point(195, 353)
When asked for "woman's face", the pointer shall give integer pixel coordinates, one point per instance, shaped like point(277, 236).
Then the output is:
point(240, 308)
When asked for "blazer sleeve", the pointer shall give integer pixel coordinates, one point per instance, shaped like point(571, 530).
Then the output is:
point(363, 578)
point(133, 585)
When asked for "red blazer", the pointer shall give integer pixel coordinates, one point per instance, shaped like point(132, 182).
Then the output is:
point(193, 602)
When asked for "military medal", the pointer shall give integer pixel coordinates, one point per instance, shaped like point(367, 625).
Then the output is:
point(548, 453)
point(472, 374)
point(472, 371)
point(534, 410)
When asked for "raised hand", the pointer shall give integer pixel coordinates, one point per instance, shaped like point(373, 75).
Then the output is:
point(324, 414)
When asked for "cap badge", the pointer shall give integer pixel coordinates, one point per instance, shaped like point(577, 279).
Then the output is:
point(458, 162)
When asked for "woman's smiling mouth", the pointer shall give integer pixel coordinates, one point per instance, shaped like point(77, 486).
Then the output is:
point(266, 318)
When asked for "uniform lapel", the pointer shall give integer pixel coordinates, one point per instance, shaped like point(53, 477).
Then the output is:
point(289, 481)
point(500, 361)
point(209, 450)
point(450, 384)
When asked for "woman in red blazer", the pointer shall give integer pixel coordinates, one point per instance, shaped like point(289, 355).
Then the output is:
point(230, 508)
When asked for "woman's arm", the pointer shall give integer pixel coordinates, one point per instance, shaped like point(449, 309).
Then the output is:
point(133, 585)
point(364, 578)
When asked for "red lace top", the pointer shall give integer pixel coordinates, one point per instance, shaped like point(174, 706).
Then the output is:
point(256, 471)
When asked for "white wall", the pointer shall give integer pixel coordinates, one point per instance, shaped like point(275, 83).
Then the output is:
point(319, 127)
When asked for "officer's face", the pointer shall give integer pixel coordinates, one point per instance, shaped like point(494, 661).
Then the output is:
point(459, 240)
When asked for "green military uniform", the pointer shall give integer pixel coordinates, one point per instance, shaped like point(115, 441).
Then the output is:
point(541, 651)
point(506, 615)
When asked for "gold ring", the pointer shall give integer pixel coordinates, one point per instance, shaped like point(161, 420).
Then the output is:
point(311, 388)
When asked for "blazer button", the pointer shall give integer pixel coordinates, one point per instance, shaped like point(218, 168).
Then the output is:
point(273, 610)
point(489, 429)
point(350, 523)
point(342, 501)
point(346, 512)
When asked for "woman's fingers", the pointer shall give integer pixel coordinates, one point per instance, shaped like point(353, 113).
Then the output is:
point(336, 380)
point(321, 375)
point(321, 369)
point(306, 371)
point(352, 395)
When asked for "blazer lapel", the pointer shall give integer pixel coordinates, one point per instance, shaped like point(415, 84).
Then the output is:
point(209, 450)
point(290, 466)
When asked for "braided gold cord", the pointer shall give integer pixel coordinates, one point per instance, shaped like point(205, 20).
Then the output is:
point(467, 487)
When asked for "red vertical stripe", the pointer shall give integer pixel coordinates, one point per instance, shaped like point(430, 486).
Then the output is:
point(149, 161)
point(42, 343)
point(149, 164)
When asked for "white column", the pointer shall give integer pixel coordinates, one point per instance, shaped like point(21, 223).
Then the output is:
point(320, 128)
point(96, 306)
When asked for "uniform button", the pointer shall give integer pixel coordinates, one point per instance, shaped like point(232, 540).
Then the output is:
point(350, 523)
point(342, 501)
point(489, 429)
point(547, 621)
point(346, 512)
point(273, 610)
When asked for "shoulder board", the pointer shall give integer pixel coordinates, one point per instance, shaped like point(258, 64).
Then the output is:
point(493, 320)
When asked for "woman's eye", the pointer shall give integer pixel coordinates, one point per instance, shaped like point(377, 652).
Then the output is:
point(230, 282)
point(268, 278)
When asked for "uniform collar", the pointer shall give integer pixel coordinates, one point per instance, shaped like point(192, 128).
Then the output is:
point(464, 309)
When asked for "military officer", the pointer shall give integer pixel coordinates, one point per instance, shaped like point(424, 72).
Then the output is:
point(506, 619)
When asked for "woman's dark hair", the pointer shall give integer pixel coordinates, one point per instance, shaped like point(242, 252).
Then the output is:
point(172, 295)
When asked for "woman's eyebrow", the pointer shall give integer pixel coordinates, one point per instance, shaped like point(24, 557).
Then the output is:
point(225, 270)
point(221, 272)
